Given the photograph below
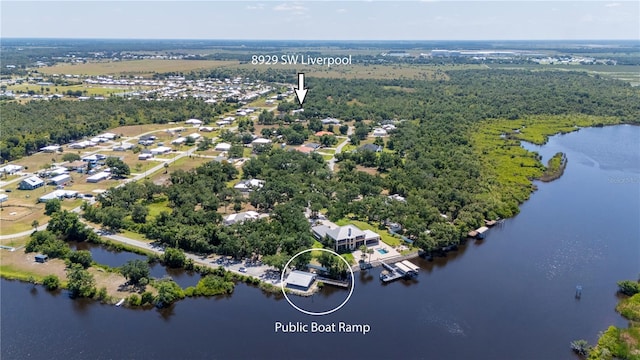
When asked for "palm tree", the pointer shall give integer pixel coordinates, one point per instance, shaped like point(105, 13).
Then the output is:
point(363, 252)
point(369, 251)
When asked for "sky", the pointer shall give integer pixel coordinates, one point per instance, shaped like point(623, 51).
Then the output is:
point(323, 20)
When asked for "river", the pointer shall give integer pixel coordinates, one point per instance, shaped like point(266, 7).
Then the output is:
point(510, 296)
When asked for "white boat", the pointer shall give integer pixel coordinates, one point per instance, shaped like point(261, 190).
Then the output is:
point(119, 303)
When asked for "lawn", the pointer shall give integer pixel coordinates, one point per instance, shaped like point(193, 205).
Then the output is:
point(156, 208)
point(384, 234)
point(316, 245)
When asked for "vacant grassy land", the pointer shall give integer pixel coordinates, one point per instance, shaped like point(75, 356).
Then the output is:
point(360, 71)
point(629, 73)
point(497, 144)
point(133, 67)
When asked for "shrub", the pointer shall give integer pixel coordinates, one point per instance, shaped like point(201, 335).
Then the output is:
point(629, 287)
point(51, 282)
point(82, 257)
point(102, 294)
point(134, 300)
point(147, 298)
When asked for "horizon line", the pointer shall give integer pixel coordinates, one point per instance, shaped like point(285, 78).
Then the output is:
point(312, 40)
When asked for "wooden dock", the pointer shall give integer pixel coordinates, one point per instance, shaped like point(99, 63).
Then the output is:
point(339, 283)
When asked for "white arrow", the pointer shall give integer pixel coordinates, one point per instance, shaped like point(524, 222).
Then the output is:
point(301, 91)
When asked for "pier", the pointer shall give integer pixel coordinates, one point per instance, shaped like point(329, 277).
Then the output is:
point(339, 283)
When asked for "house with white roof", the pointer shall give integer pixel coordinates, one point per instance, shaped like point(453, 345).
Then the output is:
point(179, 141)
point(51, 148)
point(348, 237)
point(377, 132)
point(58, 194)
point(223, 147)
point(261, 141)
point(10, 169)
point(31, 183)
point(242, 217)
point(160, 150)
point(193, 122)
point(103, 175)
point(247, 186)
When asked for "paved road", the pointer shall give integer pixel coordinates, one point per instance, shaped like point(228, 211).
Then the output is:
point(332, 161)
point(255, 271)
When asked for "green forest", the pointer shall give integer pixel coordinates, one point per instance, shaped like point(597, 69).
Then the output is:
point(455, 157)
point(28, 127)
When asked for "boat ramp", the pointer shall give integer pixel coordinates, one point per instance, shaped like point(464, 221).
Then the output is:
point(402, 269)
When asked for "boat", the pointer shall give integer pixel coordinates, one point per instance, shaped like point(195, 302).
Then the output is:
point(119, 303)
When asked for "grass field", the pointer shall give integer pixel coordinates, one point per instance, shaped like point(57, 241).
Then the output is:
point(629, 73)
point(359, 71)
point(133, 67)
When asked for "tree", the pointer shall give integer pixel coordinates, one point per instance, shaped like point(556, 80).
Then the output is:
point(35, 224)
point(204, 144)
point(315, 125)
point(51, 282)
point(118, 168)
point(113, 218)
point(51, 206)
point(135, 271)
point(344, 129)
point(139, 213)
point(277, 260)
point(82, 257)
point(236, 151)
point(168, 293)
point(70, 157)
point(166, 167)
point(174, 257)
point(80, 282)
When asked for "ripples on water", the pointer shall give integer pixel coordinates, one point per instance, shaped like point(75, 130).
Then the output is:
point(430, 315)
point(572, 255)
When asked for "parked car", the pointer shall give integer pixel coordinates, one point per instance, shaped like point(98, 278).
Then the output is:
point(243, 270)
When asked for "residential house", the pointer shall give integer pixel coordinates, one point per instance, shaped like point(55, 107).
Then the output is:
point(345, 238)
point(242, 217)
point(303, 149)
point(103, 175)
point(377, 132)
point(193, 122)
point(51, 148)
point(31, 183)
point(10, 169)
point(260, 141)
point(179, 141)
point(330, 121)
point(370, 147)
point(250, 185)
point(223, 147)
point(60, 179)
point(123, 147)
point(160, 150)
point(58, 194)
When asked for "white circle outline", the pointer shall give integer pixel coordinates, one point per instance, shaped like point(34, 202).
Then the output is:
point(311, 312)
